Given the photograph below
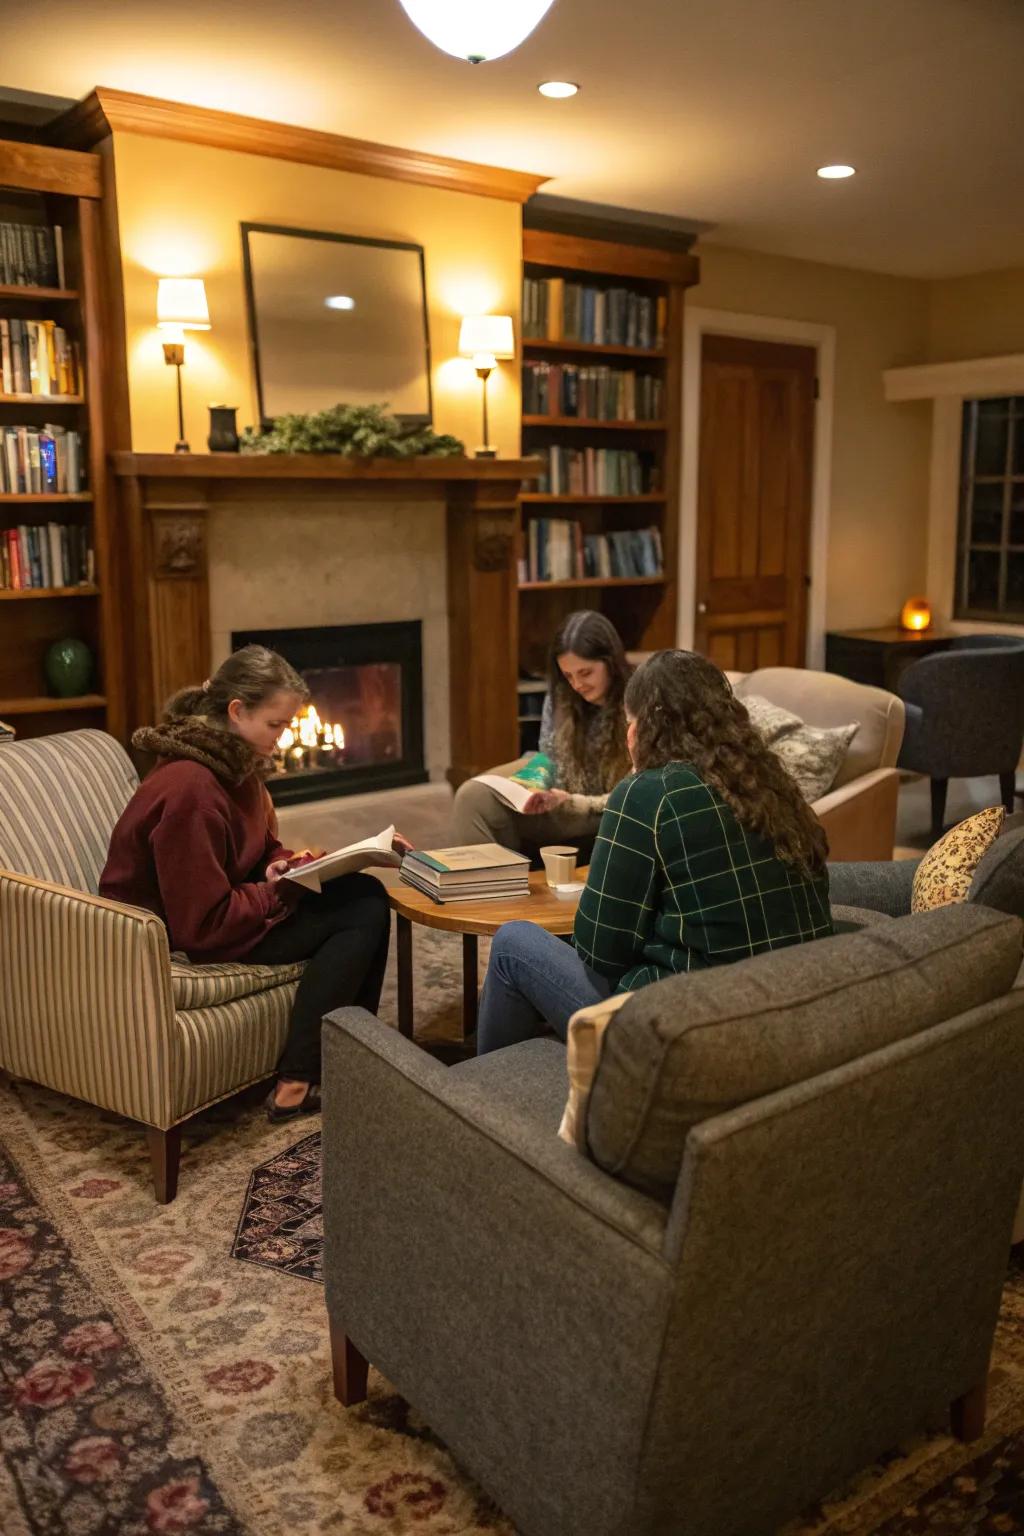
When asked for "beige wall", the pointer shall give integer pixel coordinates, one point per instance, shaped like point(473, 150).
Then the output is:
point(180, 206)
point(879, 500)
point(978, 316)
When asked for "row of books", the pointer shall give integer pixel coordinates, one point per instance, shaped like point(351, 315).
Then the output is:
point(38, 357)
point(596, 472)
point(476, 872)
point(49, 555)
point(557, 549)
point(32, 255)
point(557, 310)
point(595, 393)
point(37, 462)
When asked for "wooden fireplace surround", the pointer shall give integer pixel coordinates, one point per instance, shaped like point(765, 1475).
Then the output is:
point(165, 500)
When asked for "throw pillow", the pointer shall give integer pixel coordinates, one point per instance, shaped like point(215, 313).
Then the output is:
point(583, 1048)
point(945, 873)
point(812, 754)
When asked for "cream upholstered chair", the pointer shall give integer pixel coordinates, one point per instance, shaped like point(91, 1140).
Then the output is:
point(91, 1002)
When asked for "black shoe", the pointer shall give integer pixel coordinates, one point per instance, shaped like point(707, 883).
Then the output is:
point(310, 1105)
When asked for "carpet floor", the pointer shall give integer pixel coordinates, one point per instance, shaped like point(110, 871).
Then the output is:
point(166, 1368)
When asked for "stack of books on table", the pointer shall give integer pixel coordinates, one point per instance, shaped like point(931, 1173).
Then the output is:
point(477, 872)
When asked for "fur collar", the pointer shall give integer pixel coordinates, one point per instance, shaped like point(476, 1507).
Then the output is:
point(200, 740)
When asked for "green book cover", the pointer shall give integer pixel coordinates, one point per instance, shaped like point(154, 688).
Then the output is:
point(538, 772)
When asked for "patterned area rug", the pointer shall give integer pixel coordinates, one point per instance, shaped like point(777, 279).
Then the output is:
point(151, 1382)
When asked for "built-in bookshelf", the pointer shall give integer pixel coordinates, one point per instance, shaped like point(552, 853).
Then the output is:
point(602, 331)
point(55, 550)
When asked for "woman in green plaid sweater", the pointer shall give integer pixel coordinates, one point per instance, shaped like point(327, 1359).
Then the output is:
point(706, 853)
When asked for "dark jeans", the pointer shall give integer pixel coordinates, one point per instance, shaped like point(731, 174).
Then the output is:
point(343, 933)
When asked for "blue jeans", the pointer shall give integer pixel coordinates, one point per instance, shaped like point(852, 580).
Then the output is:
point(534, 981)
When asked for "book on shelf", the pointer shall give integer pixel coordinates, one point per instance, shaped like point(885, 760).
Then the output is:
point(54, 555)
point(557, 549)
point(38, 357)
point(555, 309)
point(40, 461)
point(473, 872)
point(596, 471)
point(597, 393)
point(31, 255)
point(376, 851)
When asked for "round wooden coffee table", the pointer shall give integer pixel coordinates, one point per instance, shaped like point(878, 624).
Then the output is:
point(471, 919)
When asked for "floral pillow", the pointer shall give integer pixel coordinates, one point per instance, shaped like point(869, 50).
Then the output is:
point(812, 754)
point(945, 873)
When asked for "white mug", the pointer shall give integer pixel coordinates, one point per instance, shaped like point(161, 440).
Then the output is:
point(559, 863)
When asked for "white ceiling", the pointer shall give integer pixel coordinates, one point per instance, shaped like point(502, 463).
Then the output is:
point(714, 110)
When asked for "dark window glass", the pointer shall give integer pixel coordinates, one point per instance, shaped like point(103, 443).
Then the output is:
point(987, 514)
point(990, 550)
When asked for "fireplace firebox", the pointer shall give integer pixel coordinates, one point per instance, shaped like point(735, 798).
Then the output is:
point(363, 727)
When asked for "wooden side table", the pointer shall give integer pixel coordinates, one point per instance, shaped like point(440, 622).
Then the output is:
point(471, 919)
point(879, 656)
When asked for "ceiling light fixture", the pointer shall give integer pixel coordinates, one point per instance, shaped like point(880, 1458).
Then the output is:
point(558, 90)
point(339, 301)
point(476, 30)
point(836, 172)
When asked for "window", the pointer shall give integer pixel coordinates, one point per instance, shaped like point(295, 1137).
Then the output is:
point(990, 551)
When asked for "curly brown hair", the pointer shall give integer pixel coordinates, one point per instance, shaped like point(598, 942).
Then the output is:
point(685, 711)
point(594, 638)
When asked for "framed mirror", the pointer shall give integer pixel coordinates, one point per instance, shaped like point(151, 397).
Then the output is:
point(336, 319)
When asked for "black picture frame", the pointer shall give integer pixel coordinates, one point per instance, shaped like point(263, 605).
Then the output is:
point(407, 419)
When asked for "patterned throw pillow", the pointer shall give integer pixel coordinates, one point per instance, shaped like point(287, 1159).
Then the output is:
point(812, 754)
point(945, 873)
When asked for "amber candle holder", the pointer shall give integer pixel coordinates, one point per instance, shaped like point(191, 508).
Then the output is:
point(916, 615)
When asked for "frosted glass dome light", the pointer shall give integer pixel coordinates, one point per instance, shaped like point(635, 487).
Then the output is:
point(476, 30)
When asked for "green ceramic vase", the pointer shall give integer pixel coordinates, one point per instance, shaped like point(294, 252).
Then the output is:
point(68, 668)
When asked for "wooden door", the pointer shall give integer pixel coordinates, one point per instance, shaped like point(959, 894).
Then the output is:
point(754, 501)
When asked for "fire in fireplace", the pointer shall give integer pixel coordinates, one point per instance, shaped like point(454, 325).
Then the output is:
point(363, 726)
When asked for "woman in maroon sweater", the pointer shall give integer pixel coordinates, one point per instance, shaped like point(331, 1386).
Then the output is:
point(196, 846)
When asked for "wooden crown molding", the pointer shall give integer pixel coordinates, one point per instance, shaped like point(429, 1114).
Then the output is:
point(550, 248)
point(42, 169)
point(106, 111)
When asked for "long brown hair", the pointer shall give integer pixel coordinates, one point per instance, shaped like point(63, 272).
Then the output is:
point(686, 712)
point(594, 638)
point(253, 674)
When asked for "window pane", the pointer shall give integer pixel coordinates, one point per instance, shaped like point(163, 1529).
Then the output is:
point(1018, 441)
point(987, 514)
point(983, 579)
point(1015, 584)
point(990, 448)
point(1017, 515)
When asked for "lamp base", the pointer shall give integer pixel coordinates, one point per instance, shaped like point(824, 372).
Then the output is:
point(181, 446)
point(485, 453)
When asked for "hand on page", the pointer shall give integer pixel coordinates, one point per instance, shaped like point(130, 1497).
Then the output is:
point(544, 800)
point(401, 844)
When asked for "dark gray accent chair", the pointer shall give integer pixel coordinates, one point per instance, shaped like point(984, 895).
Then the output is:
point(780, 1269)
point(965, 715)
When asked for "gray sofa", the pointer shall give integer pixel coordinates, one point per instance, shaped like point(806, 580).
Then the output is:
point(770, 1268)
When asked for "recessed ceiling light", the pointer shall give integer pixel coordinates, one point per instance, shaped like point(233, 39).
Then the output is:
point(340, 301)
point(836, 172)
point(559, 89)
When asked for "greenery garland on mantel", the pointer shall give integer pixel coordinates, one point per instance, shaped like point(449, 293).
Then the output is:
point(358, 431)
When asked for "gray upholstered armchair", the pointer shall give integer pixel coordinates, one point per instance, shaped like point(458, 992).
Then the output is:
point(965, 715)
point(779, 1269)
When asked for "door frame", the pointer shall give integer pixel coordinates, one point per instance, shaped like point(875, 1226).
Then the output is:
point(697, 323)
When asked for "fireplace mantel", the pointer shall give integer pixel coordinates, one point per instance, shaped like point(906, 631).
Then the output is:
point(165, 501)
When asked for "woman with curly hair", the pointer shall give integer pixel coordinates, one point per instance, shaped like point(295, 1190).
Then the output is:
point(582, 731)
point(707, 853)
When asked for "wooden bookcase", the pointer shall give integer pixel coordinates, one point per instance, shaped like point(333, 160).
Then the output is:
point(62, 187)
point(643, 608)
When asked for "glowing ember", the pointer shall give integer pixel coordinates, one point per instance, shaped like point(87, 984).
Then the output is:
point(308, 742)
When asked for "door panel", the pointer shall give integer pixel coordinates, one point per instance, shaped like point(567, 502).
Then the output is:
point(756, 444)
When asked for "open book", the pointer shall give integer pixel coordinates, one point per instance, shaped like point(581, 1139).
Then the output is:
point(345, 861)
point(536, 774)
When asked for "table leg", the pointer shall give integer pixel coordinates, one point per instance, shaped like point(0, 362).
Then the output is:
point(404, 927)
point(470, 984)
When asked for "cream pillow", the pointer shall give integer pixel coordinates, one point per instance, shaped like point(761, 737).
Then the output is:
point(812, 754)
point(945, 873)
point(583, 1048)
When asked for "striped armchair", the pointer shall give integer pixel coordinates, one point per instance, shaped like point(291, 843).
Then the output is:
point(92, 1004)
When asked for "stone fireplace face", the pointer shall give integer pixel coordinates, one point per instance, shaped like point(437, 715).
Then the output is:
point(363, 728)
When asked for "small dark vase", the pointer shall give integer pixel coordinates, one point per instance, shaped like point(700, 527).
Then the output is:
point(223, 436)
point(68, 668)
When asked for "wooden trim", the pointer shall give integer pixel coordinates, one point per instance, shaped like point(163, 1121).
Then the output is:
point(39, 168)
point(314, 466)
point(106, 111)
point(543, 247)
point(976, 376)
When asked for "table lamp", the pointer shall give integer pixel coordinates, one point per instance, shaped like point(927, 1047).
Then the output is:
point(916, 614)
point(180, 306)
point(488, 340)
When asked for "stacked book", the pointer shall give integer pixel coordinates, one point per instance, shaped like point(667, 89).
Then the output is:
point(35, 462)
point(56, 555)
point(557, 310)
point(31, 255)
point(557, 549)
point(477, 872)
point(38, 357)
point(592, 393)
point(596, 472)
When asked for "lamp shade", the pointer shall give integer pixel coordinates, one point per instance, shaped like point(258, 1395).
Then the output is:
point(476, 30)
point(490, 335)
point(181, 304)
